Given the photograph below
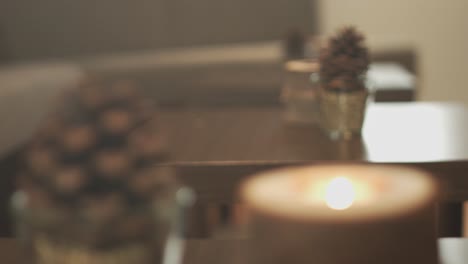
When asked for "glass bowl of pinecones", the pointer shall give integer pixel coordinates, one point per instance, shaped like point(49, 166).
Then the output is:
point(95, 185)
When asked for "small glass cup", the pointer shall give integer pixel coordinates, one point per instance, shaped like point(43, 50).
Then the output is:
point(342, 112)
point(300, 91)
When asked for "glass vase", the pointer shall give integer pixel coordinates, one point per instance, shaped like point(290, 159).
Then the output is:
point(104, 231)
point(342, 113)
point(299, 94)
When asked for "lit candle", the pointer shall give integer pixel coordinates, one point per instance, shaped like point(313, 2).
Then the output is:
point(342, 214)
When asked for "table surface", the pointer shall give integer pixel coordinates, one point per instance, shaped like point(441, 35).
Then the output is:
point(226, 251)
point(393, 132)
point(232, 143)
point(199, 251)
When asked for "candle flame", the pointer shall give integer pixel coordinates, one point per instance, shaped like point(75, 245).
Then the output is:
point(340, 194)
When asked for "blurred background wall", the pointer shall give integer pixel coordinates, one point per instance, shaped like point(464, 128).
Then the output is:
point(437, 31)
point(31, 29)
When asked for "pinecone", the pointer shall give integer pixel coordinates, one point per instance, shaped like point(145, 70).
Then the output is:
point(97, 156)
point(344, 62)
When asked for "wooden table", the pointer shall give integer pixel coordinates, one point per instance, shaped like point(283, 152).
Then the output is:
point(393, 132)
point(201, 251)
point(206, 143)
point(210, 144)
point(214, 149)
point(198, 251)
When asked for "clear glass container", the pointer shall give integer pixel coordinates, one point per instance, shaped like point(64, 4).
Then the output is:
point(299, 94)
point(342, 113)
point(104, 231)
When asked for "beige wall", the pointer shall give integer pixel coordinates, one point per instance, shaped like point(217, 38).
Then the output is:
point(436, 29)
point(39, 29)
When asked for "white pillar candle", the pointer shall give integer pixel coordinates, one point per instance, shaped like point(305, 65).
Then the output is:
point(342, 214)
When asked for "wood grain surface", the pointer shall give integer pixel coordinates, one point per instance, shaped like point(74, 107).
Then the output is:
point(216, 148)
point(393, 132)
point(198, 251)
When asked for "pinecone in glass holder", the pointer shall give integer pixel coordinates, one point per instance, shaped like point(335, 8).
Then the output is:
point(343, 96)
point(94, 177)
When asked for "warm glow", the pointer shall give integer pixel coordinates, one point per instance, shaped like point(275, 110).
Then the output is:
point(340, 193)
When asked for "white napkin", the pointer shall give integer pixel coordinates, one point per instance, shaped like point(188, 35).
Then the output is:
point(388, 75)
point(453, 250)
